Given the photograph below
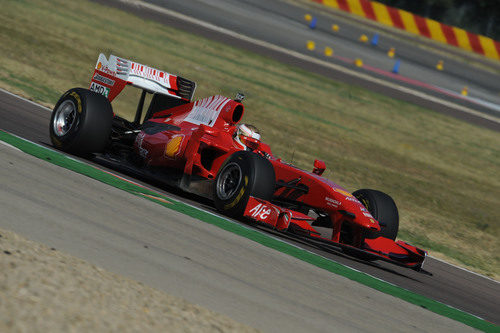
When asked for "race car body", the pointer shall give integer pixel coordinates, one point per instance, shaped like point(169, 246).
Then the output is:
point(197, 146)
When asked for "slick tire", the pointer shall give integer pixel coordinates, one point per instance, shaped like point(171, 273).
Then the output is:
point(81, 122)
point(383, 209)
point(243, 174)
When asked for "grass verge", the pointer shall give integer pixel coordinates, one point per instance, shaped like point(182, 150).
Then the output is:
point(443, 173)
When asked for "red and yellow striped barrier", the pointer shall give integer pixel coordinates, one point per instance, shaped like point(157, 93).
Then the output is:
point(419, 25)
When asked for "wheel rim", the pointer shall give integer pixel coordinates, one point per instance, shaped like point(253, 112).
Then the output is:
point(65, 117)
point(229, 181)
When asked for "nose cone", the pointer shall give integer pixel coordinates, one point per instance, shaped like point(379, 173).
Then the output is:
point(363, 217)
point(367, 222)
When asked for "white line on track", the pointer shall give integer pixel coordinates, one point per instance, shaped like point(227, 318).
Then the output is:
point(465, 269)
point(24, 99)
point(10, 146)
point(301, 56)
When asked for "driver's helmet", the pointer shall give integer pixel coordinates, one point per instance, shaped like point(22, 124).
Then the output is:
point(247, 136)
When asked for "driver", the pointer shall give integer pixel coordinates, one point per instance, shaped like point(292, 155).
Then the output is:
point(247, 136)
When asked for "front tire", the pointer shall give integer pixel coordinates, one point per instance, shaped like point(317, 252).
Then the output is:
point(383, 209)
point(81, 122)
point(243, 174)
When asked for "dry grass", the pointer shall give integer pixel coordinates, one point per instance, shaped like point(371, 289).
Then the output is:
point(443, 173)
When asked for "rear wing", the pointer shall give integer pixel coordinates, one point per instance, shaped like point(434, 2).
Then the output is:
point(111, 76)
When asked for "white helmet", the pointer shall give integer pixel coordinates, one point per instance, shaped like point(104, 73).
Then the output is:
point(246, 131)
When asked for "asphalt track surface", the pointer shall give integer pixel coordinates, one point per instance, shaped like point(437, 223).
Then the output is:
point(276, 29)
point(450, 285)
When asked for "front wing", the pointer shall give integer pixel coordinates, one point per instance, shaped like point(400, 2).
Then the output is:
point(296, 223)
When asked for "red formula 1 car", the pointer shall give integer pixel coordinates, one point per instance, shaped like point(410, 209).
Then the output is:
point(200, 147)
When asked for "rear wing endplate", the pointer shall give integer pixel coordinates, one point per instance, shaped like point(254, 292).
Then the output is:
point(111, 75)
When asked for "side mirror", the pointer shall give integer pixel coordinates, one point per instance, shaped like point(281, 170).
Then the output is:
point(319, 167)
point(250, 142)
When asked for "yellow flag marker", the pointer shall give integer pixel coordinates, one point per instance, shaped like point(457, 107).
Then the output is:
point(328, 51)
point(311, 45)
point(391, 52)
point(439, 65)
point(358, 62)
point(363, 38)
point(465, 91)
point(308, 17)
point(335, 27)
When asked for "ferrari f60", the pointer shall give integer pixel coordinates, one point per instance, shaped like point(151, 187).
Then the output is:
point(201, 147)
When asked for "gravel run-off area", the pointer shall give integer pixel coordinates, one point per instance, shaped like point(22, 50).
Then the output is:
point(44, 290)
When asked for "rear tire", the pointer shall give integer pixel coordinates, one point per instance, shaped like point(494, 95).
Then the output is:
point(243, 174)
point(81, 122)
point(383, 209)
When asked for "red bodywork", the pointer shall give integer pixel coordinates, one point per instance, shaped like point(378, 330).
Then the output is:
point(201, 149)
point(197, 137)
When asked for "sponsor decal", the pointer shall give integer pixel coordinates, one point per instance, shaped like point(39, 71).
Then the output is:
point(351, 199)
point(367, 214)
point(365, 203)
point(103, 79)
point(207, 110)
point(260, 212)
point(99, 89)
point(173, 146)
point(106, 70)
point(332, 202)
point(345, 193)
point(239, 196)
point(284, 221)
point(78, 101)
